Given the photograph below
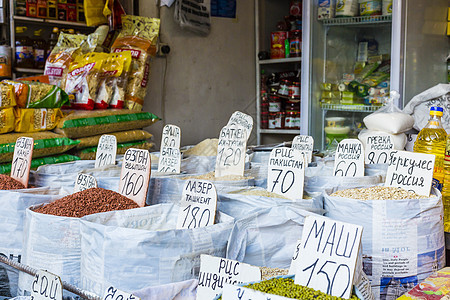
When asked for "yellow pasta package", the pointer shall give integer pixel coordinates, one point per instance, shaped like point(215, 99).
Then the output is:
point(7, 120)
point(36, 119)
point(113, 79)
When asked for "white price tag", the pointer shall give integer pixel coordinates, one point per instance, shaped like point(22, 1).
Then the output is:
point(112, 293)
point(378, 147)
point(231, 148)
point(286, 173)
point(410, 171)
point(198, 204)
point(106, 151)
point(349, 159)
point(169, 160)
point(295, 257)
point(21, 163)
point(223, 270)
point(233, 292)
point(171, 136)
point(84, 182)
point(305, 144)
point(328, 254)
point(244, 120)
point(135, 175)
point(46, 286)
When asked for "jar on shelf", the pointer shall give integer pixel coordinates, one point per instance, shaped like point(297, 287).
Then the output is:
point(265, 115)
point(293, 105)
point(294, 90)
point(264, 124)
point(283, 90)
point(274, 104)
point(292, 120)
point(272, 121)
point(265, 106)
point(295, 43)
point(280, 118)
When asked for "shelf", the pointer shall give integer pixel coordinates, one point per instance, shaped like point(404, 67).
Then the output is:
point(281, 131)
point(369, 20)
point(355, 108)
point(28, 70)
point(280, 60)
point(50, 21)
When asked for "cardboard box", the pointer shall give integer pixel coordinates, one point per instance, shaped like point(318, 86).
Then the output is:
point(42, 8)
point(52, 9)
point(326, 9)
point(32, 8)
point(436, 286)
point(21, 8)
point(71, 12)
point(62, 11)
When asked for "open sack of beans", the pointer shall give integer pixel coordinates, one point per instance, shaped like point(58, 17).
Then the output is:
point(12, 217)
point(267, 237)
point(52, 232)
point(241, 202)
point(403, 236)
point(160, 253)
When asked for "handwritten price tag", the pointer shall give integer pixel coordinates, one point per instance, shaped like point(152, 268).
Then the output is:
point(84, 182)
point(106, 151)
point(410, 171)
point(295, 258)
point(230, 158)
point(232, 292)
point(349, 160)
point(112, 293)
point(286, 172)
point(198, 204)
point(170, 155)
point(46, 286)
point(135, 175)
point(224, 270)
point(378, 148)
point(21, 163)
point(171, 136)
point(244, 120)
point(305, 144)
point(328, 254)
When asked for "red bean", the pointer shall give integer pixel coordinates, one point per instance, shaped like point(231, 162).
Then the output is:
point(9, 183)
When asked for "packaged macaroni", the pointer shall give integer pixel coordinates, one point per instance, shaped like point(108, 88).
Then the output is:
point(7, 96)
point(36, 119)
point(30, 94)
point(7, 120)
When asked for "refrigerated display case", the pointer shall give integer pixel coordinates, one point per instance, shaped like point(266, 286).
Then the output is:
point(412, 38)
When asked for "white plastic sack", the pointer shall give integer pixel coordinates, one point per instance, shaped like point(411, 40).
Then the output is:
point(184, 290)
point(267, 238)
point(12, 217)
point(240, 206)
point(419, 106)
point(195, 164)
point(138, 248)
point(403, 240)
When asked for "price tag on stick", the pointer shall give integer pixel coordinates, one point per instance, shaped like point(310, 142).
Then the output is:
point(286, 172)
point(21, 163)
point(112, 293)
point(328, 252)
point(349, 159)
point(244, 120)
point(410, 171)
point(378, 147)
point(106, 151)
point(170, 155)
point(135, 175)
point(46, 286)
point(198, 204)
point(225, 270)
point(171, 136)
point(84, 182)
point(305, 144)
point(231, 148)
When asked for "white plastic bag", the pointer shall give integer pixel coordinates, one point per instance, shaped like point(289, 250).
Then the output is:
point(419, 106)
point(137, 248)
point(184, 290)
point(389, 118)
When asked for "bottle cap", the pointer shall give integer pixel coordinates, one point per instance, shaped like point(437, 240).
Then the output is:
point(436, 111)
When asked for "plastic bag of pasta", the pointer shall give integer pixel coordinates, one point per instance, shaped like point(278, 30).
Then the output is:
point(36, 119)
point(30, 94)
point(139, 35)
point(7, 120)
point(68, 47)
point(114, 68)
point(7, 96)
point(83, 80)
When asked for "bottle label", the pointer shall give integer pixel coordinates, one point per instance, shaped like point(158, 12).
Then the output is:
point(23, 52)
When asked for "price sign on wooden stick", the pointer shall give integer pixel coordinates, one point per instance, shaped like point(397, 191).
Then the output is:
point(198, 204)
point(349, 160)
point(21, 163)
point(170, 155)
point(106, 151)
point(171, 136)
point(135, 175)
point(84, 182)
point(112, 293)
point(328, 252)
point(46, 286)
point(230, 158)
point(244, 120)
point(305, 144)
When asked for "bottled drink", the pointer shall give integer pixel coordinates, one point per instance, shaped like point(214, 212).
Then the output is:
point(40, 50)
point(432, 139)
point(446, 187)
point(24, 49)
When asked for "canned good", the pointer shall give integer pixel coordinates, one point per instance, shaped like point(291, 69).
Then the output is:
point(284, 87)
point(280, 118)
point(264, 124)
point(292, 120)
point(294, 90)
point(272, 120)
point(275, 104)
point(293, 106)
point(265, 116)
point(265, 106)
point(277, 44)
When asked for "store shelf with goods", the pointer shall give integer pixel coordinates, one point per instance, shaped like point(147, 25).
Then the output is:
point(358, 21)
point(281, 131)
point(29, 70)
point(349, 108)
point(49, 22)
point(280, 60)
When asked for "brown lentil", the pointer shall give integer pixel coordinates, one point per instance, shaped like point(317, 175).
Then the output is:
point(90, 201)
point(9, 183)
